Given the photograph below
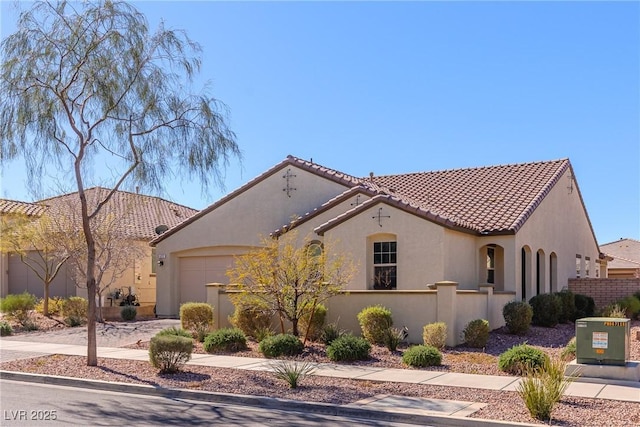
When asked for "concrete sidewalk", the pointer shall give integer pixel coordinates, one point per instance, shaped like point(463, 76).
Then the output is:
point(583, 387)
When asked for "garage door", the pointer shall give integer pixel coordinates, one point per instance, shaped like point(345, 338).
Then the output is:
point(195, 272)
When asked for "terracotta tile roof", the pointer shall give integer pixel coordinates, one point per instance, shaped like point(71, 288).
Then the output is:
point(490, 199)
point(625, 253)
point(141, 214)
point(8, 207)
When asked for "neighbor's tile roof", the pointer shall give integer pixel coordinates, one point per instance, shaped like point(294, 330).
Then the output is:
point(8, 207)
point(625, 253)
point(489, 199)
point(140, 214)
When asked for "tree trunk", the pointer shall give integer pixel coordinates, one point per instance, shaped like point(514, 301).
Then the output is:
point(45, 300)
point(92, 351)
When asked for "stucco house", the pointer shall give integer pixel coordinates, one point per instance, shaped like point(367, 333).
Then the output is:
point(517, 230)
point(139, 217)
point(625, 258)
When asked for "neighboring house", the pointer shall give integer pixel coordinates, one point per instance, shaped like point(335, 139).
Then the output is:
point(521, 228)
point(140, 217)
point(626, 258)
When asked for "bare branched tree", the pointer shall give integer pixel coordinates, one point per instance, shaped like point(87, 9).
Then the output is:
point(87, 83)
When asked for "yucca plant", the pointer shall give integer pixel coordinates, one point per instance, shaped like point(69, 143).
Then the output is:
point(291, 371)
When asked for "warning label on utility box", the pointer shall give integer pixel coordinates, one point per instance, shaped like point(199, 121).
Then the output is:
point(600, 340)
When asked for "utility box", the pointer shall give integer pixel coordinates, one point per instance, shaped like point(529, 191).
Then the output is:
point(603, 341)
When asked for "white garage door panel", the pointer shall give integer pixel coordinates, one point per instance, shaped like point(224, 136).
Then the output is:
point(195, 272)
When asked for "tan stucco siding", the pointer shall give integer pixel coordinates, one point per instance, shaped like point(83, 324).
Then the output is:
point(420, 246)
point(558, 225)
point(460, 258)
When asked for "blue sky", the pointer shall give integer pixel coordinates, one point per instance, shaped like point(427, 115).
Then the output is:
point(396, 87)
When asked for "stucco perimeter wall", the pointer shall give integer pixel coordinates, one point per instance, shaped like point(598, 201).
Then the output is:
point(605, 291)
point(412, 309)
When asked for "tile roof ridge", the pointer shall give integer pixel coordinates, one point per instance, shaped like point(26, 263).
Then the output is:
point(621, 240)
point(633, 261)
point(470, 168)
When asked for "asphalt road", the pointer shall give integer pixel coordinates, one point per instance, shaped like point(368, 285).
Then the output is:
point(28, 404)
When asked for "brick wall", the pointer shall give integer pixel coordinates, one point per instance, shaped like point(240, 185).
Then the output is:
point(604, 291)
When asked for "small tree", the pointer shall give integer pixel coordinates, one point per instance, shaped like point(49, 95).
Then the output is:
point(290, 279)
point(37, 243)
point(89, 82)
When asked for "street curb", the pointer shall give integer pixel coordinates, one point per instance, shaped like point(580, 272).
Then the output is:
point(258, 401)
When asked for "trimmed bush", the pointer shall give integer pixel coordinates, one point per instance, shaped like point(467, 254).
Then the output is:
point(476, 333)
point(196, 317)
point(5, 329)
point(280, 345)
point(128, 312)
point(175, 332)
point(517, 316)
point(546, 310)
point(226, 339)
point(420, 356)
point(435, 334)
point(374, 322)
point(170, 352)
point(568, 306)
point(521, 359)
point(315, 324)
point(330, 333)
point(585, 306)
point(349, 348)
point(74, 310)
point(55, 305)
point(19, 307)
point(253, 320)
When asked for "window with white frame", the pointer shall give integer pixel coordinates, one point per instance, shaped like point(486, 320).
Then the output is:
point(587, 266)
point(578, 265)
point(384, 265)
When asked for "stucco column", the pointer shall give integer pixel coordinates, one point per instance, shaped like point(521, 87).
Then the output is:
point(487, 288)
point(213, 299)
point(447, 309)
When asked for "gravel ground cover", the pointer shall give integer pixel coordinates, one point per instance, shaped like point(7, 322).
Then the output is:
point(502, 405)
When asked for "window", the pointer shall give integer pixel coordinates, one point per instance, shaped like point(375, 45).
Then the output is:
point(578, 266)
point(314, 248)
point(587, 265)
point(491, 265)
point(384, 265)
point(154, 260)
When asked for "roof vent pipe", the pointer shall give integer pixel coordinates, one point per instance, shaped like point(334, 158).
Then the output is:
point(371, 176)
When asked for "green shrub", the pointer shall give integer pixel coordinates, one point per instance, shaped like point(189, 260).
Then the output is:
point(74, 310)
point(520, 359)
point(5, 329)
point(19, 307)
point(226, 339)
point(175, 332)
point(330, 333)
point(280, 345)
point(541, 389)
point(170, 352)
point(567, 306)
point(349, 348)
point(374, 322)
point(569, 351)
point(197, 317)
point(253, 320)
point(517, 316)
point(476, 333)
point(546, 310)
point(55, 305)
point(393, 338)
point(630, 305)
point(315, 324)
point(435, 334)
point(292, 372)
point(128, 312)
point(585, 306)
point(420, 356)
